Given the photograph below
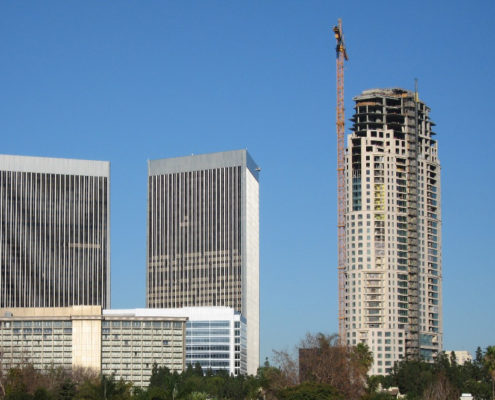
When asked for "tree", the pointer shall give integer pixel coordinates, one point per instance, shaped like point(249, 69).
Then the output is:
point(441, 379)
point(441, 389)
point(310, 391)
point(411, 377)
point(162, 379)
point(42, 394)
point(271, 380)
point(489, 362)
point(379, 396)
point(363, 356)
point(198, 396)
point(289, 372)
point(453, 358)
point(323, 360)
point(479, 356)
point(104, 388)
point(198, 371)
point(66, 390)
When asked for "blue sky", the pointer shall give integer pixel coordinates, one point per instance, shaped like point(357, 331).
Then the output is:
point(129, 81)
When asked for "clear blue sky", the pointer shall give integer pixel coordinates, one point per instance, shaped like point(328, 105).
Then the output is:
point(127, 81)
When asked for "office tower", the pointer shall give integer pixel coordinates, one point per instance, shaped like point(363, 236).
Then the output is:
point(393, 229)
point(203, 236)
point(54, 230)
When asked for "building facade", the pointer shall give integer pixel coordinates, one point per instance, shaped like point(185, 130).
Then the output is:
point(215, 336)
point(132, 341)
point(461, 356)
point(393, 288)
point(54, 231)
point(203, 236)
point(122, 342)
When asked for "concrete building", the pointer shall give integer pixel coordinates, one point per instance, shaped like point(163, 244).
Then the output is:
point(215, 336)
point(461, 356)
point(123, 342)
point(203, 236)
point(393, 287)
point(54, 226)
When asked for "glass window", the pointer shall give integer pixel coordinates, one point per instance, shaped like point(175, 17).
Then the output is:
point(220, 324)
point(200, 324)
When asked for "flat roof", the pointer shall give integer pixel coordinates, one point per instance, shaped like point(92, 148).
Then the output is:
point(49, 165)
point(193, 313)
point(203, 162)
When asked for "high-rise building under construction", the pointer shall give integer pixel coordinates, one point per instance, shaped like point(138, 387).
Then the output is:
point(393, 267)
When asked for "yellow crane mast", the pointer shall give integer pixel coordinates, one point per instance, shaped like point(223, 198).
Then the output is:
point(341, 57)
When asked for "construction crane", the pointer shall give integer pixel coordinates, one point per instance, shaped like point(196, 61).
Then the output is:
point(341, 57)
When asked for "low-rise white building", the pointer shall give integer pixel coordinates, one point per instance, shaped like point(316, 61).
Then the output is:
point(125, 342)
point(121, 342)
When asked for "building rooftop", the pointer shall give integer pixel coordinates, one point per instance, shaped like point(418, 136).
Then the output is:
point(63, 166)
point(194, 313)
point(394, 92)
point(197, 162)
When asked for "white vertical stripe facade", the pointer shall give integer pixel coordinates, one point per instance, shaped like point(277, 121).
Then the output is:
point(54, 239)
point(195, 249)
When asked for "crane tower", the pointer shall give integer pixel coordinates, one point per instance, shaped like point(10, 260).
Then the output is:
point(341, 57)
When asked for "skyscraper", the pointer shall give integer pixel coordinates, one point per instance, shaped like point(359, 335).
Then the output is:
point(54, 232)
point(393, 229)
point(203, 236)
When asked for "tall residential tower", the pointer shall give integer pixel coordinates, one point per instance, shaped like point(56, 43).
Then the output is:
point(203, 236)
point(54, 232)
point(393, 229)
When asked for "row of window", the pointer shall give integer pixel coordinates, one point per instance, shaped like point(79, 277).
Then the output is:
point(144, 324)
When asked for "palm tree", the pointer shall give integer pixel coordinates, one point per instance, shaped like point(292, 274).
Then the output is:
point(489, 361)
